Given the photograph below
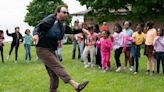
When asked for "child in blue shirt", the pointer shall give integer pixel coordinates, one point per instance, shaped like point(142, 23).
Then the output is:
point(27, 43)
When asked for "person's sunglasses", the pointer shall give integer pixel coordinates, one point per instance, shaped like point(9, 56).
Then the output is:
point(65, 12)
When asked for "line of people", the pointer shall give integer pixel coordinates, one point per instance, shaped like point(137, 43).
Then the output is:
point(95, 45)
point(17, 39)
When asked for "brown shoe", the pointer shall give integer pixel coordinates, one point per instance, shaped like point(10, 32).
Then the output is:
point(81, 86)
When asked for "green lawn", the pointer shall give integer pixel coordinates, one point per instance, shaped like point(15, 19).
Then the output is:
point(32, 77)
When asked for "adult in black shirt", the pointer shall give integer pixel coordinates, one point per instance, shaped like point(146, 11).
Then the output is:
point(76, 30)
point(46, 35)
point(17, 39)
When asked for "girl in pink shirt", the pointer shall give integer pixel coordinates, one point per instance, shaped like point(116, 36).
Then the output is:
point(89, 47)
point(105, 45)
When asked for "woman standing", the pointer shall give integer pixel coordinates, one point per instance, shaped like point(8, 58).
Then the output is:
point(17, 39)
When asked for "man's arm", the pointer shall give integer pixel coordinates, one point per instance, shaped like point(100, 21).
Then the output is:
point(45, 24)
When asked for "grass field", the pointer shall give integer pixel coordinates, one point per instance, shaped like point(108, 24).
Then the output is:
point(32, 77)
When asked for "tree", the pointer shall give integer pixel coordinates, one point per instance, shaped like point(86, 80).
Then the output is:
point(38, 9)
point(131, 9)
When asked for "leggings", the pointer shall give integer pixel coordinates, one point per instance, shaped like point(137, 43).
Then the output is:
point(16, 51)
point(117, 56)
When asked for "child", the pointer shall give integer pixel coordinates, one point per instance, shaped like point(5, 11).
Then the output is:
point(149, 38)
point(1, 44)
point(105, 45)
point(128, 31)
point(90, 47)
point(159, 48)
point(119, 44)
point(27, 43)
point(138, 37)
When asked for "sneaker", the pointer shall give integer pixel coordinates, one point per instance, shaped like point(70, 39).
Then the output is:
point(86, 66)
point(89, 64)
point(92, 65)
point(15, 61)
point(118, 69)
point(148, 71)
point(125, 68)
point(104, 71)
point(61, 60)
point(131, 68)
point(99, 67)
point(8, 57)
point(151, 74)
point(135, 73)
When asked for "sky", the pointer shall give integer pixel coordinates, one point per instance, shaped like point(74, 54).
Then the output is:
point(12, 13)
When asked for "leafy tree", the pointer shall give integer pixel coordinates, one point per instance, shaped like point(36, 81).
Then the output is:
point(131, 9)
point(38, 9)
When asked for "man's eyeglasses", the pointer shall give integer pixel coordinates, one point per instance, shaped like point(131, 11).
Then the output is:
point(65, 12)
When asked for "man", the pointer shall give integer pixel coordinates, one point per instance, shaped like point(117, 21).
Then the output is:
point(46, 35)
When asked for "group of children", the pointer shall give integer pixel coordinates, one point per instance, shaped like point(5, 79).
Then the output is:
point(123, 40)
point(95, 45)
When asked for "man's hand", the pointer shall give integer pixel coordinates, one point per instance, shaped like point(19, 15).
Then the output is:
point(35, 39)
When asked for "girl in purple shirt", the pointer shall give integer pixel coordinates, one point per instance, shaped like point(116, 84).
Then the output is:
point(159, 48)
point(119, 45)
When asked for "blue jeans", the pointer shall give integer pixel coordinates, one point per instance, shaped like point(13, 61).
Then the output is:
point(135, 49)
point(74, 43)
point(81, 46)
point(58, 53)
point(28, 52)
point(160, 57)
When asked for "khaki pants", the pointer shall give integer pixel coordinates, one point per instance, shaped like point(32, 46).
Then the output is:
point(89, 50)
point(53, 66)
